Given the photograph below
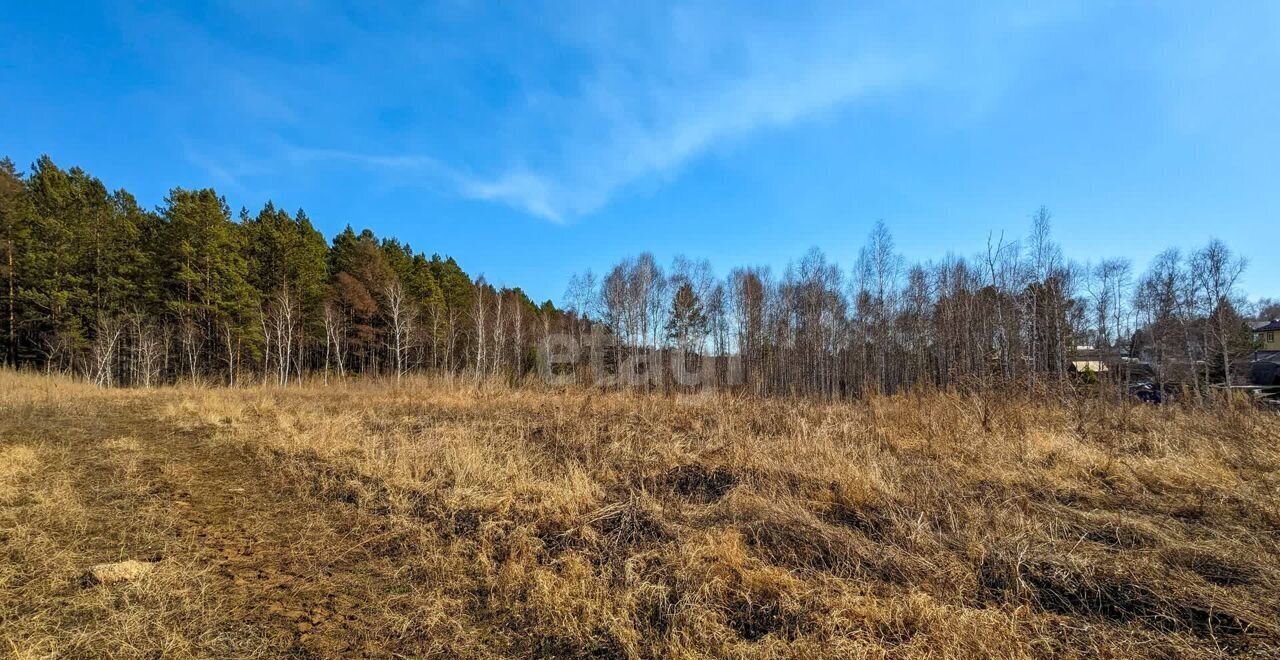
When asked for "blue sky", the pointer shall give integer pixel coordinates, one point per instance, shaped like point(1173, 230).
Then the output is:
point(532, 140)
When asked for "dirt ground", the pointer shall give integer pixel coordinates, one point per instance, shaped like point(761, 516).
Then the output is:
point(245, 566)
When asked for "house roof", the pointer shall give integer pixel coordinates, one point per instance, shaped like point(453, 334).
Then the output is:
point(1268, 327)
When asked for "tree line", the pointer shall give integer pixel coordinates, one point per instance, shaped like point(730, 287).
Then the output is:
point(1019, 313)
point(96, 285)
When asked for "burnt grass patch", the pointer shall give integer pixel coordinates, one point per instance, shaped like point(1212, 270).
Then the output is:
point(557, 539)
point(754, 619)
point(799, 544)
point(1112, 530)
point(698, 483)
point(870, 521)
point(1212, 567)
point(655, 608)
point(1122, 597)
point(601, 645)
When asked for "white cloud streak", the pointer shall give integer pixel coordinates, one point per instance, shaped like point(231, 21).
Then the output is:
point(518, 189)
point(666, 88)
point(695, 82)
point(647, 92)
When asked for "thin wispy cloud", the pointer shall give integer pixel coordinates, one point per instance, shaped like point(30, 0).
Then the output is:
point(667, 87)
point(661, 89)
point(687, 123)
point(303, 155)
point(630, 121)
point(215, 169)
point(663, 93)
point(648, 92)
point(521, 190)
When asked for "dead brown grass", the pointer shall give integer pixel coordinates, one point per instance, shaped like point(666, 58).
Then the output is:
point(480, 521)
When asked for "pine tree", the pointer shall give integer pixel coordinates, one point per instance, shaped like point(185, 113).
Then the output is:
point(17, 217)
point(207, 279)
point(288, 270)
point(55, 294)
point(687, 324)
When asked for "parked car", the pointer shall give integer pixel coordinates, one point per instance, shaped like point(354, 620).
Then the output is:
point(1146, 391)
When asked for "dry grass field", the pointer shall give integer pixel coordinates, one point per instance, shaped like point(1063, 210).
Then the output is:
point(481, 521)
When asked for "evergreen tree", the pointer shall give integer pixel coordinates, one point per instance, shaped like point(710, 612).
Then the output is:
point(207, 279)
point(687, 324)
point(288, 270)
point(17, 217)
point(130, 279)
point(55, 295)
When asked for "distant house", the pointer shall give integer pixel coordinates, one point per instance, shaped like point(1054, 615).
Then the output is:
point(1094, 366)
point(1265, 369)
point(1089, 359)
point(1267, 335)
